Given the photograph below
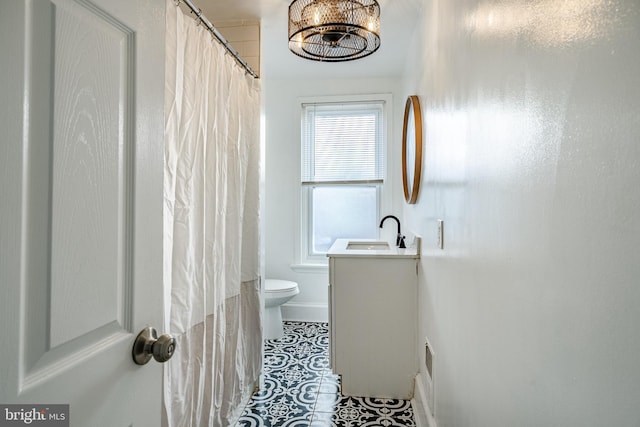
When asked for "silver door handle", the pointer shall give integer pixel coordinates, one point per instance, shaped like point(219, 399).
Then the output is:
point(147, 345)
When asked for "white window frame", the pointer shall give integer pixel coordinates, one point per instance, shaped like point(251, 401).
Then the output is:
point(304, 260)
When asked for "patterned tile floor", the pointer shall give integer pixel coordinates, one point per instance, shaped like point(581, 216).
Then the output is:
point(300, 389)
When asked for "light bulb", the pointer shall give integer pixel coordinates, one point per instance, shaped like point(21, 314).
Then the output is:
point(316, 16)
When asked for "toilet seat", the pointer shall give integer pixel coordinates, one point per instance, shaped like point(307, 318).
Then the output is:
point(276, 286)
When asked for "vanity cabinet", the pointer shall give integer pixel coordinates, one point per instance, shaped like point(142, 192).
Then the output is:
point(372, 320)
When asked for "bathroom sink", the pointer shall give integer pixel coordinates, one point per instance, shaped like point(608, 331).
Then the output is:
point(364, 248)
point(368, 246)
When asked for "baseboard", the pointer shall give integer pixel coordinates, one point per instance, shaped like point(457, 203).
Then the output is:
point(305, 312)
point(420, 405)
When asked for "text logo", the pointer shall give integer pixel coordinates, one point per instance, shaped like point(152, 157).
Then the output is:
point(34, 415)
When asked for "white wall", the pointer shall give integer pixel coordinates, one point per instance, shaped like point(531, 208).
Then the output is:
point(532, 114)
point(282, 169)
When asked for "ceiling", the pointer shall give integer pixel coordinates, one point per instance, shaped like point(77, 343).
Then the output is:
point(398, 18)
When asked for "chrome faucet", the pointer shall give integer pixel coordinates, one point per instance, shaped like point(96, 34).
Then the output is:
point(400, 237)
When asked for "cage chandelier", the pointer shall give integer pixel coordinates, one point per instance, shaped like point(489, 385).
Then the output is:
point(334, 30)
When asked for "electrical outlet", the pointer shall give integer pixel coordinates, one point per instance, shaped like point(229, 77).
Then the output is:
point(440, 234)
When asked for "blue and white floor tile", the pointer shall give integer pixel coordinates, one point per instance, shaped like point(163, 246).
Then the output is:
point(301, 391)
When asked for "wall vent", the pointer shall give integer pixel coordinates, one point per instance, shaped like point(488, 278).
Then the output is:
point(428, 364)
point(428, 359)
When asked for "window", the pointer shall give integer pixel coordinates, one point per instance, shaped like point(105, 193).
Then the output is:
point(343, 171)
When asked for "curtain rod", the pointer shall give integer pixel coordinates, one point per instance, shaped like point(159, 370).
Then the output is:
point(220, 37)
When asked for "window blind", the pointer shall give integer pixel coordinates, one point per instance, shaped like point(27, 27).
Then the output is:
point(342, 143)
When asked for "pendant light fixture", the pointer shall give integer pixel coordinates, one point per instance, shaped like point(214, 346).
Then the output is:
point(334, 30)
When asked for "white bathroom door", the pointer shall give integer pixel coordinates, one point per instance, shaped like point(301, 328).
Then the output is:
point(81, 164)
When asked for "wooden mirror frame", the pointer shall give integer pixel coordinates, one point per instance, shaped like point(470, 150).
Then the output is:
point(411, 189)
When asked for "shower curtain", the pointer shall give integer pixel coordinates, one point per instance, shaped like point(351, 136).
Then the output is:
point(211, 233)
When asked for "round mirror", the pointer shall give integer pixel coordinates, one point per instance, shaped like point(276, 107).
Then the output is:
point(412, 149)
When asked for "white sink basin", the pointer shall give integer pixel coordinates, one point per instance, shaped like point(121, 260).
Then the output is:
point(364, 248)
point(368, 246)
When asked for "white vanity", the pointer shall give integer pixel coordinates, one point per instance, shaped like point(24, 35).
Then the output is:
point(372, 317)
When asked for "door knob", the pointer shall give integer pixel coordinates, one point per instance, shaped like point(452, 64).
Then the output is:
point(148, 345)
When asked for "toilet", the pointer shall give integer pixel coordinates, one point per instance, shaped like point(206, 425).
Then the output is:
point(276, 293)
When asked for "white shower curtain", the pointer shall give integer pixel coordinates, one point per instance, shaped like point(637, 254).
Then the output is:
point(211, 234)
